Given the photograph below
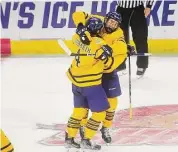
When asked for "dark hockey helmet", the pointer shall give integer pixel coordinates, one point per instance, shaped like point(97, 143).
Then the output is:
point(94, 25)
point(115, 16)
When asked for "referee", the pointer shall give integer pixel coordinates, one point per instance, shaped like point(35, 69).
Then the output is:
point(134, 14)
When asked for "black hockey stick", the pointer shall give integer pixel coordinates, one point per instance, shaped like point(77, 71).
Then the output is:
point(85, 54)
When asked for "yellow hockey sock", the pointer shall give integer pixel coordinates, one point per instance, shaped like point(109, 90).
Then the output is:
point(110, 112)
point(109, 119)
point(74, 121)
point(73, 126)
point(93, 124)
point(85, 119)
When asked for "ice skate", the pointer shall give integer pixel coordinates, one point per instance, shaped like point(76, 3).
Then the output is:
point(140, 72)
point(70, 142)
point(87, 144)
point(106, 135)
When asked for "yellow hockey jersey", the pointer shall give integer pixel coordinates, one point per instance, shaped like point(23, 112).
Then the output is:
point(6, 145)
point(86, 70)
point(115, 40)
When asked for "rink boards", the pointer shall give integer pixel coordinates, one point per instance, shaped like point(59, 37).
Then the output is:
point(33, 27)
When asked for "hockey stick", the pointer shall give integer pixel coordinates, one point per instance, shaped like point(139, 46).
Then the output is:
point(130, 82)
point(67, 50)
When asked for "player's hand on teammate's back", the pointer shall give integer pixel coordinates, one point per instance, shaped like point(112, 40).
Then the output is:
point(83, 34)
point(104, 53)
point(131, 50)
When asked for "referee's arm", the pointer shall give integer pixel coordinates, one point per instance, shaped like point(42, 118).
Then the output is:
point(147, 10)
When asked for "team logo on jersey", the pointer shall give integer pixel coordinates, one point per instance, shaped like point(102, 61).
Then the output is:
point(155, 125)
point(98, 41)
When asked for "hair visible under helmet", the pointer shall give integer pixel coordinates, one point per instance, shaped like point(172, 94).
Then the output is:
point(115, 16)
point(94, 25)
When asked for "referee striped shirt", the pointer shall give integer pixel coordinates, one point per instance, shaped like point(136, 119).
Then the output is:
point(134, 3)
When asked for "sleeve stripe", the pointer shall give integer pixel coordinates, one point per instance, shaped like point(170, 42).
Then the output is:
point(86, 15)
point(112, 62)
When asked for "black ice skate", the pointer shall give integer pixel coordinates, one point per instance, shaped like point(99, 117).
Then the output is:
point(106, 135)
point(70, 143)
point(82, 132)
point(141, 72)
point(87, 144)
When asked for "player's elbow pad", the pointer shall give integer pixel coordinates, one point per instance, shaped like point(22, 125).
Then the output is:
point(108, 63)
point(78, 17)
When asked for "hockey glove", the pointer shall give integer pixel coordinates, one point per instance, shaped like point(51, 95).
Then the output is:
point(104, 53)
point(84, 35)
point(130, 50)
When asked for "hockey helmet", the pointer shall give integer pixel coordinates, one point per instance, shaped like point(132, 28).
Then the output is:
point(94, 25)
point(115, 16)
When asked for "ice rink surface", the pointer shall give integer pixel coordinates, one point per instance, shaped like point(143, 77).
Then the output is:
point(36, 90)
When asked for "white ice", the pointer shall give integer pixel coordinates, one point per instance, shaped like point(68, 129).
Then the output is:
point(37, 90)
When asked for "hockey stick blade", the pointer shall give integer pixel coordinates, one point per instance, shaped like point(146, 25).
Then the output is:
point(68, 51)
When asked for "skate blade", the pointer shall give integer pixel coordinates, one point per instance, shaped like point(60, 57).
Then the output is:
point(108, 144)
point(90, 150)
point(139, 76)
point(72, 149)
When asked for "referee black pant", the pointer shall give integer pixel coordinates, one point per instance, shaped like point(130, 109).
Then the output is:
point(139, 29)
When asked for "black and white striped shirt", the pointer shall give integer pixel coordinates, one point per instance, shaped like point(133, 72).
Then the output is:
point(134, 3)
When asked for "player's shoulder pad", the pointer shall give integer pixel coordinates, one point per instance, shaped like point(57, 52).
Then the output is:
point(98, 40)
point(119, 32)
point(118, 35)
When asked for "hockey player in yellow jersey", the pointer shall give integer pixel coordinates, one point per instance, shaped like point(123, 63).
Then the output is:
point(113, 39)
point(6, 145)
point(112, 34)
point(86, 75)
